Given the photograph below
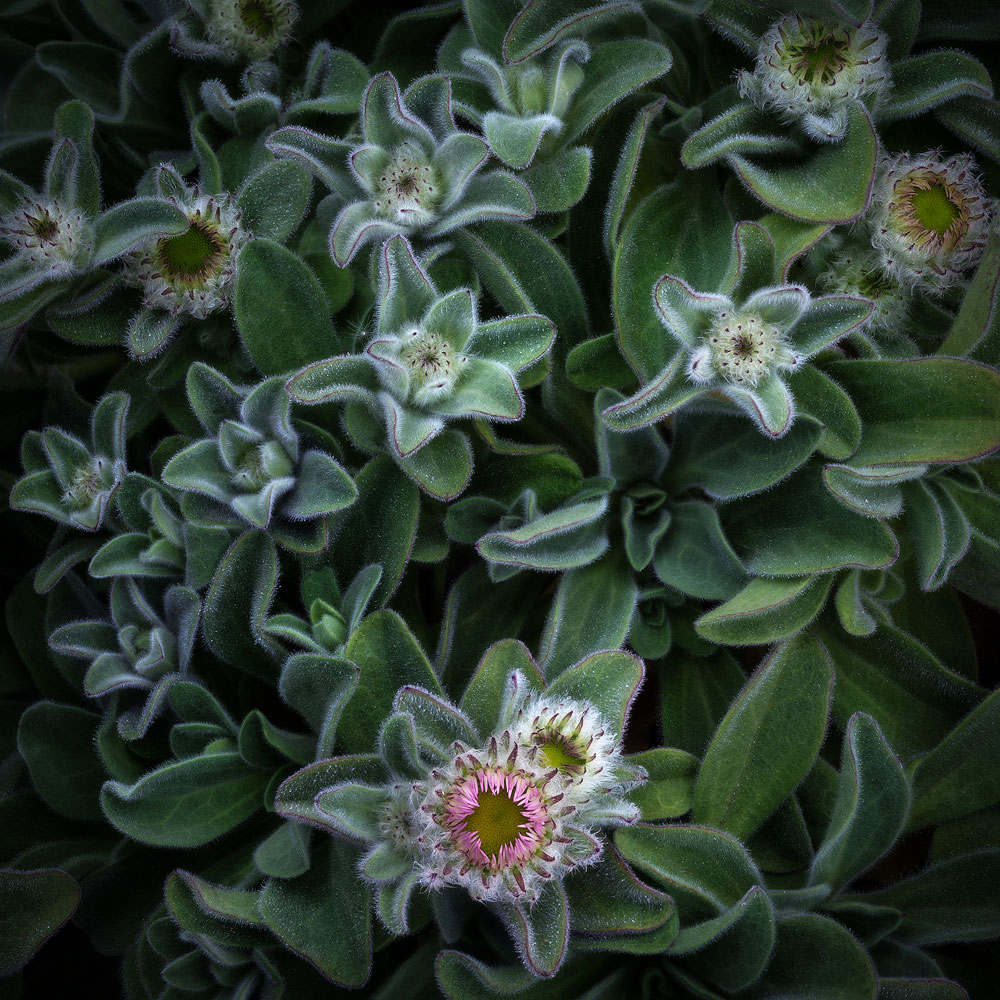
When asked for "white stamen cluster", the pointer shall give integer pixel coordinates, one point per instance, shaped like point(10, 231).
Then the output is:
point(193, 272)
point(431, 364)
point(408, 188)
point(88, 482)
point(742, 349)
point(46, 234)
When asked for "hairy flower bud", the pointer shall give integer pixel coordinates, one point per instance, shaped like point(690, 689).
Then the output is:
point(929, 219)
point(250, 29)
point(408, 188)
point(858, 272)
point(193, 272)
point(810, 69)
point(49, 236)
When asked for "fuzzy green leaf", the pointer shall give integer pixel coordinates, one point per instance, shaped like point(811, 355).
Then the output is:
point(274, 200)
point(766, 610)
point(186, 803)
point(33, 906)
point(832, 186)
point(870, 809)
point(132, 222)
point(922, 409)
point(280, 308)
point(388, 656)
point(951, 781)
point(923, 82)
point(767, 741)
point(303, 911)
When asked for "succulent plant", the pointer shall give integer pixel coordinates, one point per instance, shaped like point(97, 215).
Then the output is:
point(741, 349)
point(252, 470)
point(70, 480)
point(430, 361)
point(521, 505)
point(503, 811)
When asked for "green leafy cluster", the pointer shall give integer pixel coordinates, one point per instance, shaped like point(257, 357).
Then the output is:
point(520, 512)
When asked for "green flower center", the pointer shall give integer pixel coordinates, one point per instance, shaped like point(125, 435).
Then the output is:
point(261, 465)
point(498, 820)
point(194, 256)
point(260, 17)
point(930, 209)
point(821, 63)
point(816, 54)
point(557, 752)
point(934, 209)
point(44, 227)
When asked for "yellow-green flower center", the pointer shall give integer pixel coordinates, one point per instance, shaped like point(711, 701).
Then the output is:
point(498, 820)
point(192, 257)
point(814, 53)
point(821, 62)
point(934, 209)
point(557, 752)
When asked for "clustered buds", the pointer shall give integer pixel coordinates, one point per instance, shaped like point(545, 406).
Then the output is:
point(504, 819)
point(809, 69)
point(193, 272)
point(47, 235)
point(858, 271)
point(929, 219)
point(69, 479)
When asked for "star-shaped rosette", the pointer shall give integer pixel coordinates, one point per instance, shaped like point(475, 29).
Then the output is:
point(70, 480)
point(430, 361)
point(143, 649)
point(739, 342)
point(504, 797)
point(413, 173)
point(252, 470)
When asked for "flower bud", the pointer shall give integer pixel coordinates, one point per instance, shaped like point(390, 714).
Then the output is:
point(250, 29)
point(929, 219)
point(47, 235)
point(193, 272)
point(810, 67)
